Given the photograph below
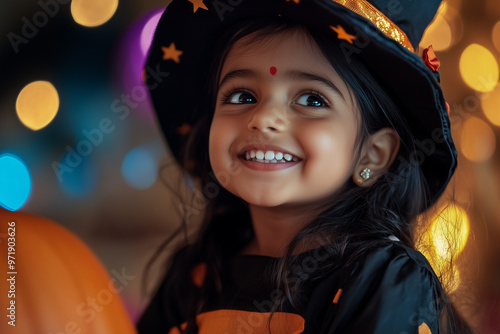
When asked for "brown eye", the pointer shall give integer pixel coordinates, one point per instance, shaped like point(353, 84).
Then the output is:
point(240, 97)
point(312, 99)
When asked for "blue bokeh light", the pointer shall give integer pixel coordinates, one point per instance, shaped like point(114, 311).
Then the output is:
point(139, 168)
point(15, 182)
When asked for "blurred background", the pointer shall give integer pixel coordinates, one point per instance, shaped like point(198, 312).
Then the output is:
point(79, 143)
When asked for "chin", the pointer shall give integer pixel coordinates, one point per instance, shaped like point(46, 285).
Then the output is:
point(263, 200)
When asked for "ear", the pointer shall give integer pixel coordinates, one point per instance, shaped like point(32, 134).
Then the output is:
point(377, 155)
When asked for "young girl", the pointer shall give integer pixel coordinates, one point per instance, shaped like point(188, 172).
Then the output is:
point(316, 136)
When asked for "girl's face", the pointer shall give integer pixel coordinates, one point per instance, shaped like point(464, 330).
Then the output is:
point(285, 125)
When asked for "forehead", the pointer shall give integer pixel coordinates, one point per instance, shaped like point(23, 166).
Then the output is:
point(290, 47)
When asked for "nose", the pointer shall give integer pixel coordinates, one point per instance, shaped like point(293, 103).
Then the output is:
point(268, 119)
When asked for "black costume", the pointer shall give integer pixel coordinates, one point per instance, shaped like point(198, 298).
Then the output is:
point(392, 289)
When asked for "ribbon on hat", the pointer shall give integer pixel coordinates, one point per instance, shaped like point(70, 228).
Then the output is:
point(432, 61)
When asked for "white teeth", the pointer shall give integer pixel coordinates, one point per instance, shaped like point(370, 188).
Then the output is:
point(269, 156)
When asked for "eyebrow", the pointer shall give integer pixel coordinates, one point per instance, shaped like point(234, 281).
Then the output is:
point(291, 75)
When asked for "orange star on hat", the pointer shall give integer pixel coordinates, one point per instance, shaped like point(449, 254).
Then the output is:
point(171, 53)
point(198, 4)
point(342, 34)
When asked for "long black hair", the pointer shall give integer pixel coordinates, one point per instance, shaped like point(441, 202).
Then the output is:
point(364, 216)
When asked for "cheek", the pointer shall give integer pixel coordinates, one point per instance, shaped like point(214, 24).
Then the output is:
point(221, 152)
point(330, 148)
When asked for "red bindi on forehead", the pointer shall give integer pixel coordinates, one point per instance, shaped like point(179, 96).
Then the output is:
point(273, 70)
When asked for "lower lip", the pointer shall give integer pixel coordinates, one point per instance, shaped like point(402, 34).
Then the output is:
point(255, 165)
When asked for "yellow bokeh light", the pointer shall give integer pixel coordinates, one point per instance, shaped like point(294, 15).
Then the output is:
point(442, 7)
point(37, 104)
point(438, 34)
point(92, 13)
point(479, 68)
point(477, 140)
point(496, 36)
point(491, 105)
point(449, 232)
point(443, 240)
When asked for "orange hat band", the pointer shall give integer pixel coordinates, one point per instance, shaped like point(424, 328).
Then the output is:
point(375, 16)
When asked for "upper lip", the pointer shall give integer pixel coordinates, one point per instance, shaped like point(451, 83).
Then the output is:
point(266, 147)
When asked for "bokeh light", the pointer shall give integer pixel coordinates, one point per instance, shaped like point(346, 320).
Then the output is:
point(447, 28)
point(442, 7)
point(149, 30)
point(490, 102)
point(438, 34)
point(477, 140)
point(131, 55)
point(449, 233)
point(37, 104)
point(443, 240)
point(15, 182)
point(495, 35)
point(93, 13)
point(140, 168)
point(450, 230)
point(479, 68)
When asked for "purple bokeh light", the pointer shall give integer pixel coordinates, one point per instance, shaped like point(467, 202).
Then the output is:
point(131, 57)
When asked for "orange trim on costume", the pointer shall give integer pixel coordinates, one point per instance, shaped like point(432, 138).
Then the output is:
point(198, 274)
point(237, 321)
point(375, 16)
point(337, 296)
point(424, 329)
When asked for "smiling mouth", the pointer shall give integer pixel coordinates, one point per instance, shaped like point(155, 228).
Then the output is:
point(268, 156)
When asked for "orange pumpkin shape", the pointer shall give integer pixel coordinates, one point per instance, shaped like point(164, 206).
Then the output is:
point(54, 284)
